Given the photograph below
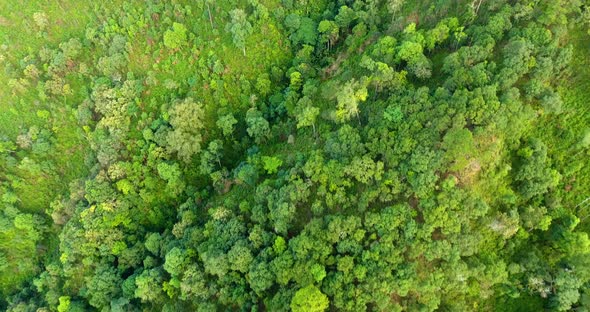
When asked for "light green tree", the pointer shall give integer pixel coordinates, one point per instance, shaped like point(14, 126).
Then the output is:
point(309, 299)
point(226, 124)
point(185, 139)
point(239, 27)
point(176, 37)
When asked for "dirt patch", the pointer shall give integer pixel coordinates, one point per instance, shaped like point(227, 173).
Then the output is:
point(470, 172)
point(413, 18)
point(396, 298)
point(437, 235)
point(4, 22)
point(227, 186)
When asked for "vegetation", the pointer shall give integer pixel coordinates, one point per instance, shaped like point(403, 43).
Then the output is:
point(276, 155)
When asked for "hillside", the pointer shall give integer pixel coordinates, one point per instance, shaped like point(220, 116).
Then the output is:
point(267, 155)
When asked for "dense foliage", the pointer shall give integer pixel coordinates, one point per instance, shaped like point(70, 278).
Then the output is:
point(267, 155)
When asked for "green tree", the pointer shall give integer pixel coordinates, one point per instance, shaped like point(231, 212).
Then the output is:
point(271, 164)
point(309, 299)
point(345, 17)
point(103, 286)
point(303, 30)
point(193, 284)
point(226, 124)
point(211, 157)
point(261, 277)
point(552, 103)
point(187, 121)
point(393, 6)
point(306, 113)
point(240, 257)
point(263, 84)
point(176, 37)
point(149, 286)
point(258, 127)
point(239, 27)
point(329, 31)
point(172, 175)
point(64, 304)
point(533, 174)
point(348, 99)
point(175, 261)
point(153, 243)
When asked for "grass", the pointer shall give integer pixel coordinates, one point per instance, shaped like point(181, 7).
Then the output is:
point(20, 36)
point(564, 133)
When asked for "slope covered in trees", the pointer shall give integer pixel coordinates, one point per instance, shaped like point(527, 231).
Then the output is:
point(266, 155)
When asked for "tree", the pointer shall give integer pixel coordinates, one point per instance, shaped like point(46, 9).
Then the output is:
point(239, 27)
point(41, 20)
point(384, 50)
point(211, 157)
point(186, 119)
point(393, 114)
point(329, 31)
point(437, 35)
point(226, 124)
point(246, 173)
point(344, 143)
point(421, 67)
point(307, 117)
point(306, 113)
point(175, 261)
point(552, 103)
point(410, 51)
point(208, 4)
point(258, 127)
point(533, 174)
point(261, 277)
point(263, 84)
point(393, 6)
point(176, 37)
point(271, 164)
point(153, 242)
point(309, 299)
point(302, 29)
point(240, 257)
point(345, 17)
point(172, 175)
point(64, 304)
point(318, 272)
point(193, 284)
point(348, 99)
point(103, 286)
point(149, 286)
point(365, 169)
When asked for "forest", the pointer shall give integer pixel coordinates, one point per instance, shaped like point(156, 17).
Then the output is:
point(294, 155)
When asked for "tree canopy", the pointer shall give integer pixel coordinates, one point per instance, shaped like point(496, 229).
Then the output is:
point(294, 155)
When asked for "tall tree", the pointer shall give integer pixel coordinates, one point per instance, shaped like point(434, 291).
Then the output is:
point(239, 27)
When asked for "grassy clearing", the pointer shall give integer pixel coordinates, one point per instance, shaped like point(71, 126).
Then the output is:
point(566, 134)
